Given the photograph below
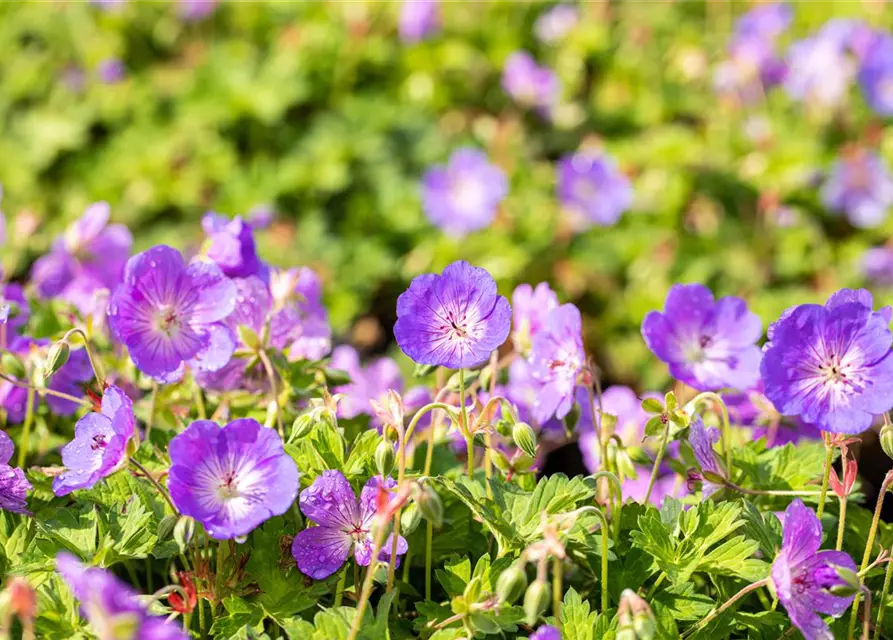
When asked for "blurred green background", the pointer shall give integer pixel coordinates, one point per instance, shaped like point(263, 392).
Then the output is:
point(318, 110)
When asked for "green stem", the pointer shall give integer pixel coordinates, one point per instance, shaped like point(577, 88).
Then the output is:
point(770, 492)
point(657, 460)
point(869, 546)
point(469, 436)
point(161, 490)
point(883, 603)
point(728, 603)
point(557, 590)
point(826, 474)
point(153, 399)
point(841, 524)
point(339, 588)
point(726, 429)
point(367, 582)
point(618, 500)
point(46, 392)
point(604, 530)
point(25, 442)
point(271, 377)
point(94, 362)
point(201, 617)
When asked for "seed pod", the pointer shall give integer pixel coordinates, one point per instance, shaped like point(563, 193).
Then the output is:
point(511, 584)
point(525, 438)
point(166, 527)
point(430, 505)
point(536, 599)
point(302, 426)
point(184, 531)
point(887, 439)
point(384, 458)
point(410, 518)
point(56, 357)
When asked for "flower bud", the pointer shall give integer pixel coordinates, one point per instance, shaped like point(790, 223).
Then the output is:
point(608, 424)
point(473, 589)
point(887, 439)
point(504, 428)
point(410, 518)
point(166, 527)
point(430, 505)
point(511, 584)
point(184, 531)
point(852, 586)
point(536, 599)
point(12, 366)
point(56, 357)
point(384, 458)
point(302, 426)
point(525, 438)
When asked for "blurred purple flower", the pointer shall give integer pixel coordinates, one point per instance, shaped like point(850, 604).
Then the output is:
point(231, 479)
point(112, 606)
point(860, 186)
point(557, 359)
point(709, 344)
point(453, 320)
point(766, 21)
point(592, 187)
point(876, 75)
point(300, 322)
point(546, 632)
point(530, 307)
point(666, 485)
point(344, 525)
point(531, 85)
point(167, 314)
point(830, 365)
point(230, 245)
point(622, 403)
point(556, 23)
point(802, 576)
point(877, 265)
point(820, 70)
point(261, 216)
point(100, 442)
point(371, 382)
point(111, 71)
point(14, 487)
point(195, 10)
point(12, 298)
point(88, 258)
point(753, 409)
point(463, 195)
point(418, 19)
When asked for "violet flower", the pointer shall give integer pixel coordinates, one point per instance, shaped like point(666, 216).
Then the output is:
point(877, 266)
point(369, 383)
point(344, 525)
point(231, 479)
point(709, 344)
point(830, 365)
point(111, 71)
point(90, 257)
point(554, 24)
point(230, 245)
point(195, 10)
point(112, 606)
point(452, 320)
point(820, 70)
point(300, 323)
point(418, 19)
point(530, 307)
point(876, 75)
point(12, 298)
point(557, 359)
point(711, 474)
point(14, 487)
point(167, 313)
point(592, 188)
point(463, 195)
point(860, 186)
point(531, 85)
point(100, 443)
point(802, 576)
point(546, 632)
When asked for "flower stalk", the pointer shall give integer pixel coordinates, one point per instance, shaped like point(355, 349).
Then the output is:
point(728, 603)
point(826, 474)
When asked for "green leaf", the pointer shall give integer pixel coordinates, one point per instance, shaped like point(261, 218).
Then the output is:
point(359, 462)
point(237, 614)
point(74, 530)
point(577, 620)
point(328, 444)
point(297, 629)
point(684, 603)
point(757, 528)
point(455, 575)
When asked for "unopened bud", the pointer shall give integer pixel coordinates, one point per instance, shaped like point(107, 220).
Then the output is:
point(249, 337)
point(302, 426)
point(166, 527)
point(56, 357)
point(625, 467)
point(12, 366)
point(634, 617)
point(536, 599)
point(473, 589)
point(430, 505)
point(184, 530)
point(511, 584)
point(887, 439)
point(852, 583)
point(410, 518)
point(525, 438)
point(504, 428)
point(608, 424)
point(384, 458)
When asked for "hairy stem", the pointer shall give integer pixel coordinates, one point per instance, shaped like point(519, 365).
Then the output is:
point(94, 362)
point(883, 602)
point(728, 603)
point(161, 490)
point(841, 523)
point(665, 436)
point(826, 475)
point(339, 588)
point(367, 581)
point(557, 589)
point(46, 392)
point(618, 500)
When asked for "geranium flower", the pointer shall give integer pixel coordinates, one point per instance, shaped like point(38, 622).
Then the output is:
point(14, 487)
point(111, 606)
point(369, 383)
point(463, 196)
point(100, 444)
point(300, 322)
point(592, 188)
point(167, 313)
point(530, 306)
point(453, 320)
point(556, 23)
point(530, 84)
point(709, 344)
point(803, 576)
point(830, 365)
point(15, 311)
point(860, 186)
point(230, 245)
point(557, 359)
point(231, 479)
point(344, 525)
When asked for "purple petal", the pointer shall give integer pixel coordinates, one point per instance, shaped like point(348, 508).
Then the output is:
point(330, 502)
point(7, 448)
point(216, 293)
point(321, 551)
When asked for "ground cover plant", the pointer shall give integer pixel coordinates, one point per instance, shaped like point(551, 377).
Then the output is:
point(193, 446)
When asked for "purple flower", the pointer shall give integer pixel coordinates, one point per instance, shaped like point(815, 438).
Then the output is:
point(546, 632)
point(261, 216)
point(592, 187)
point(819, 69)
point(452, 320)
point(12, 298)
point(709, 344)
point(861, 187)
point(622, 403)
point(71, 378)
point(371, 382)
point(418, 19)
point(752, 67)
point(463, 196)
point(300, 324)
point(829, 365)
point(88, 258)
point(530, 306)
point(530, 84)
point(100, 442)
point(556, 23)
point(195, 10)
point(112, 606)
point(876, 75)
point(111, 70)
point(766, 21)
point(665, 485)
point(711, 474)
point(343, 525)
point(231, 479)
point(230, 244)
point(557, 359)
point(167, 313)
point(877, 266)
point(803, 576)
point(14, 487)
